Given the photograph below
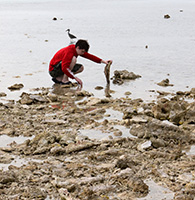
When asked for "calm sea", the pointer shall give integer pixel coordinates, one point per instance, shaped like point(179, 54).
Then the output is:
point(117, 30)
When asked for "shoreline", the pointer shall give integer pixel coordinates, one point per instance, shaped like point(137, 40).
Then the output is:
point(67, 164)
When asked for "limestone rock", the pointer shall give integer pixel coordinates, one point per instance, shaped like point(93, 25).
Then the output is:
point(16, 86)
point(164, 83)
point(138, 185)
point(2, 94)
point(120, 75)
point(6, 177)
point(166, 16)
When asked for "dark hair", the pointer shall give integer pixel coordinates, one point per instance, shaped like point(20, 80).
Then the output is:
point(82, 44)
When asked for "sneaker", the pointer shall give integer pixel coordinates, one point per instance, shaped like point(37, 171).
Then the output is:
point(67, 83)
point(56, 81)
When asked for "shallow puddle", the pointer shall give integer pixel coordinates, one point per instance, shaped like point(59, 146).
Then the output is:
point(112, 115)
point(191, 151)
point(5, 140)
point(125, 131)
point(99, 135)
point(94, 134)
point(18, 162)
point(157, 192)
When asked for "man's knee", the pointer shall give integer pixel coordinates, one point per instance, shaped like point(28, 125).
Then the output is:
point(81, 68)
point(74, 60)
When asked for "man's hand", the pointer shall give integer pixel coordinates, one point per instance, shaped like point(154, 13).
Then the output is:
point(106, 61)
point(79, 81)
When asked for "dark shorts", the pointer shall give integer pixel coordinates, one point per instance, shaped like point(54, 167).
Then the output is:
point(57, 70)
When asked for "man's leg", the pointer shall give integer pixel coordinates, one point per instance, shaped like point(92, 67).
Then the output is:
point(76, 68)
point(72, 68)
point(64, 77)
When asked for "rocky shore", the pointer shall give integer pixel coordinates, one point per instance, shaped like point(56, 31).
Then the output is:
point(66, 164)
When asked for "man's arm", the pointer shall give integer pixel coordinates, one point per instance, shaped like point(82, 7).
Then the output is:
point(106, 61)
point(91, 57)
point(66, 64)
point(95, 58)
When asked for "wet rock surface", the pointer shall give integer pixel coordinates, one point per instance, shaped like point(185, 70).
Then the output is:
point(67, 165)
point(164, 83)
point(16, 86)
point(121, 75)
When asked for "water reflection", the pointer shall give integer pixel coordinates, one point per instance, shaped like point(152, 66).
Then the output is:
point(5, 140)
point(112, 115)
point(157, 192)
point(18, 162)
point(191, 151)
point(94, 134)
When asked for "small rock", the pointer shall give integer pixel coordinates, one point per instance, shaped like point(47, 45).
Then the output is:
point(16, 86)
point(138, 185)
point(2, 94)
point(192, 91)
point(166, 16)
point(7, 131)
point(92, 101)
point(83, 93)
point(127, 93)
point(144, 146)
point(99, 88)
point(164, 83)
point(57, 150)
point(7, 177)
point(53, 97)
point(157, 143)
point(117, 133)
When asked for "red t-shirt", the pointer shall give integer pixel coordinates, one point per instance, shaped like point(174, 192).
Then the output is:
point(65, 55)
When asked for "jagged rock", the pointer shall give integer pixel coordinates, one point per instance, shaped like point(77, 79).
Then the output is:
point(99, 88)
point(129, 113)
point(79, 147)
point(16, 86)
point(2, 94)
point(166, 16)
point(162, 109)
point(124, 74)
point(138, 185)
point(41, 150)
point(7, 131)
point(25, 99)
point(92, 101)
point(38, 98)
point(52, 97)
point(144, 146)
point(164, 83)
point(127, 93)
point(192, 91)
point(57, 150)
point(124, 162)
point(84, 93)
point(119, 75)
point(57, 163)
point(182, 196)
point(6, 177)
point(157, 143)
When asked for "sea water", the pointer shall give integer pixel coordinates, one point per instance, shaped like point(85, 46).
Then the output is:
point(117, 30)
